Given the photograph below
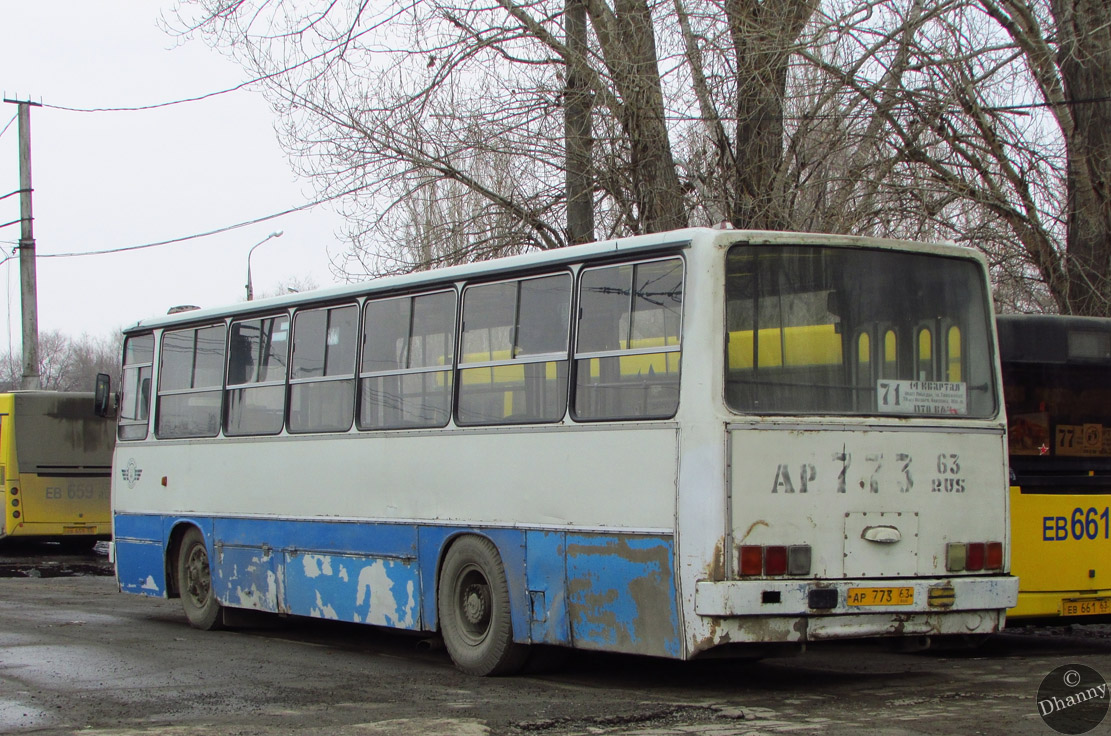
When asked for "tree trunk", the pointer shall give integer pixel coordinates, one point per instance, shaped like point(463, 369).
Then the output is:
point(763, 36)
point(1084, 58)
point(628, 42)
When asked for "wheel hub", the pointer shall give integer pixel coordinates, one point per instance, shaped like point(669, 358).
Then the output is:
point(475, 605)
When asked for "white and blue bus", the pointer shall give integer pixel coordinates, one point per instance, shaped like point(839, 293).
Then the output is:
point(674, 444)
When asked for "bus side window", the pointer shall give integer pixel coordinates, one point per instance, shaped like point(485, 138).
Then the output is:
point(258, 356)
point(322, 373)
point(513, 366)
point(134, 410)
point(190, 379)
point(405, 380)
point(629, 342)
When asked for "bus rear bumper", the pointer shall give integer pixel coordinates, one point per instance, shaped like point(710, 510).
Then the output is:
point(766, 611)
point(855, 597)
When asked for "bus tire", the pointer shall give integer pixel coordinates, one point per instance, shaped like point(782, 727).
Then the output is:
point(473, 604)
point(194, 579)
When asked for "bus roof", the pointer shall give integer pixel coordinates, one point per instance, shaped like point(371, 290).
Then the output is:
point(1053, 338)
point(539, 260)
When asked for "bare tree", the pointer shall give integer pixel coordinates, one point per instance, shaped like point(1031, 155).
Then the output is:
point(463, 131)
point(998, 129)
point(511, 105)
point(1066, 44)
point(65, 363)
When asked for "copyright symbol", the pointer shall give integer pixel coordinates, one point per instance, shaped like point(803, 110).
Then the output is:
point(1072, 678)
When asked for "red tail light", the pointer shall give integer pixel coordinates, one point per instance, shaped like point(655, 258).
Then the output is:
point(752, 560)
point(994, 556)
point(973, 556)
point(775, 560)
point(976, 554)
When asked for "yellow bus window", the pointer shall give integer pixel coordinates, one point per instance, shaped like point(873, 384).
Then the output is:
point(925, 354)
point(863, 359)
point(953, 373)
point(890, 355)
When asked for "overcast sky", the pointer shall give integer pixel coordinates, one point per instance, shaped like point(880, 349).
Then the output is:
point(115, 179)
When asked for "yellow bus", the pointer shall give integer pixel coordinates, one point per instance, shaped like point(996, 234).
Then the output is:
point(1057, 389)
point(55, 467)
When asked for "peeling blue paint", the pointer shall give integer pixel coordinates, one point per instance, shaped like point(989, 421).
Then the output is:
point(248, 577)
point(383, 592)
point(139, 567)
point(547, 585)
point(621, 594)
point(613, 592)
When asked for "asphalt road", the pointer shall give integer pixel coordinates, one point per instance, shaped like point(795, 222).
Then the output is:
point(76, 656)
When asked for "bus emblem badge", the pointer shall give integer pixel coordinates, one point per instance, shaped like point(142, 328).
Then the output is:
point(131, 473)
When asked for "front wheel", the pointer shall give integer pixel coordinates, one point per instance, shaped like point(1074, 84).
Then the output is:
point(194, 577)
point(473, 601)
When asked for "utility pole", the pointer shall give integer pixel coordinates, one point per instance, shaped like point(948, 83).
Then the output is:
point(29, 299)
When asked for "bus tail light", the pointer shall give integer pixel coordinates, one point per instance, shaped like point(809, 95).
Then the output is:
point(752, 560)
point(798, 559)
point(775, 559)
point(973, 556)
point(955, 555)
point(974, 562)
point(994, 556)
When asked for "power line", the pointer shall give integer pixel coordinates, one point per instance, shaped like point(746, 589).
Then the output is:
point(195, 236)
point(321, 55)
point(158, 105)
point(5, 130)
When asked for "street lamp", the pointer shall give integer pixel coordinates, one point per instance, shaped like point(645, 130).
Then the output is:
point(251, 291)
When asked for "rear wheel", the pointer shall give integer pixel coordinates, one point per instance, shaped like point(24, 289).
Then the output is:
point(194, 579)
point(473, 600)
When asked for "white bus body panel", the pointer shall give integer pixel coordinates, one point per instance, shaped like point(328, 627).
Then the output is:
point(553, 477)
point(877, 504)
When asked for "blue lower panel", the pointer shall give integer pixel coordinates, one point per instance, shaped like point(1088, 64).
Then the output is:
point(611, 592)
point(248, 577)
point(382, 591)
point(621, 594)
point(139, 567)
point(136, 526)
point(547, 588)
point(365, 573)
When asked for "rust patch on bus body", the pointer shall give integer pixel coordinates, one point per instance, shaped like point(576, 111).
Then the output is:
point(621, 594)
point(752, 527)
point(716, 570)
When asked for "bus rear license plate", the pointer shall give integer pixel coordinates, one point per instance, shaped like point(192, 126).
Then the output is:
point(881, 596)
point(1086, 607)
point(78, 530)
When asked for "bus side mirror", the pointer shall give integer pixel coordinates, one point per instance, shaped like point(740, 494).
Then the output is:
point(103, 395)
